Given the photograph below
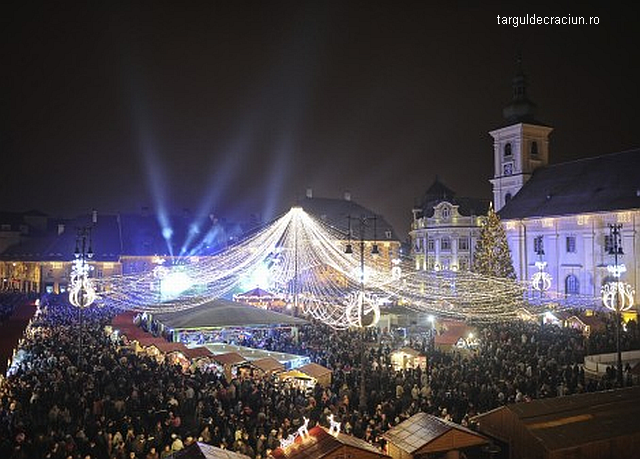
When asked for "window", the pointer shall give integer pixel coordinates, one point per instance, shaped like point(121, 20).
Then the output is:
point(507, 149)
point(431, 245)
point(464, 264)
point(534, 149)
point(446, 212)
point(571, 285)
point(387, 234)
point(571, 244)
point(445, 243)
point(538, 245)
point(507, 198)
point(463, 243)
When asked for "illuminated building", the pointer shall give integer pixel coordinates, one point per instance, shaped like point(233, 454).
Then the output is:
point(560, 214)
point(445, 229)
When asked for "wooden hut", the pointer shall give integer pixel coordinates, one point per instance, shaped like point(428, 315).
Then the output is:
point(423, 435)
point(230, 362)
point(267, 366)
point(593, 425)
point(320, 374)
point(407, 357)
point(320, 444)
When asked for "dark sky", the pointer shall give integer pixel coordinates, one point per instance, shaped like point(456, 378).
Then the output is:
point(237, 107)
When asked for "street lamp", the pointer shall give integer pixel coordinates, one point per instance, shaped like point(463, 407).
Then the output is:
point(82, 293)
point(617, 296)
point(363, 220)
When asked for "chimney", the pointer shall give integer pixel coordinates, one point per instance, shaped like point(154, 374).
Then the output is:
point(309, 193)
point(347, 196)
point(94, 216)
point(60, 228)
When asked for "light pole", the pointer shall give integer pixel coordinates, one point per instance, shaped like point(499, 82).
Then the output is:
point(362, 405)
point(81, 290)
point(617, 296)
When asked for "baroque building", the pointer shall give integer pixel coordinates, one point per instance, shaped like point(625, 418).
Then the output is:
point(445, 229)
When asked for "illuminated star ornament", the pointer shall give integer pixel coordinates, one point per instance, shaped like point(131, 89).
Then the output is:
point(302, 261)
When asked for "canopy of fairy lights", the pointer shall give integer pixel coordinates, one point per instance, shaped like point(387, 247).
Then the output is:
point(303, 261)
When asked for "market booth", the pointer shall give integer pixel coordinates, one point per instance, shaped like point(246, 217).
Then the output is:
point(322, 443)
point(424, 435)
point(408, 358)
point(307, 376)
point(267, 366)
point(229, 363)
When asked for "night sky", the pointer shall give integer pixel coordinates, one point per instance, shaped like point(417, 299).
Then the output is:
point(236, 108)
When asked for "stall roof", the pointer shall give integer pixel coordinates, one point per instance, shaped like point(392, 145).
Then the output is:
point(321, 443)
point(315, 370)
point(572, 421)
point(422, 429)
point(230, 358)
point(268, 364)
point(221, 313)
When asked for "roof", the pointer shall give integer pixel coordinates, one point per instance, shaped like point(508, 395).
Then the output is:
point(268, 364)
point(320, 444)
point(313, 369)
point(221, 313)
point(255, 293)
point(204, 451)
point(421, 429)
point(567, 422)
point(438, 192)
point(230, 358)
point(409, 351)
point(336, 213)
point(599, 184)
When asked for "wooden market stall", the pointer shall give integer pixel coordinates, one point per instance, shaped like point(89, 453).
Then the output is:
point(267, 366)
point(200, 450)
point(319, 443)
point(406, 357)
point(423, 435)
point(229, 362)
point(592, 425)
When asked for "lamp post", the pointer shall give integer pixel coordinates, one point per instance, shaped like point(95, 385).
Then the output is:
point(362, 405)
point(617, 296)
point(81, 290)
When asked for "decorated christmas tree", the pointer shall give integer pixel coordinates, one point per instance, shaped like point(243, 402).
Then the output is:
point(493, 256)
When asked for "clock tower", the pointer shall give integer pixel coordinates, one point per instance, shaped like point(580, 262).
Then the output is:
point(520, 147)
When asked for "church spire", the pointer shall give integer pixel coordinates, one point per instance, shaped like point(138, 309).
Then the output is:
point(520, 109)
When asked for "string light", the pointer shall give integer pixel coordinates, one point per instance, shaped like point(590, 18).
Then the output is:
point(307, 265)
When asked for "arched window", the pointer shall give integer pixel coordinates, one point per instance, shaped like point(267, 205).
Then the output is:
point(446, 212)
point(507, 149)
point(571, 285)
point(534, 148)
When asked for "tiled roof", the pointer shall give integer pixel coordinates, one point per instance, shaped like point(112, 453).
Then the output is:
point(438, 192)
point(599, 184)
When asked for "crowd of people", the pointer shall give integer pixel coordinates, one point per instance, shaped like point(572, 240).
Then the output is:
point(77, 394)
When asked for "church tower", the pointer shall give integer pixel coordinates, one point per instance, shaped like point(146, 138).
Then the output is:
point(520, 147)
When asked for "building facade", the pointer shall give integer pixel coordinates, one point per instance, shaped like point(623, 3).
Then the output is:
point(445, 229)
point(558, 218)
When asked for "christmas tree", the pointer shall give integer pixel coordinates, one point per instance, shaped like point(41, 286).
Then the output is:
point(492, 255)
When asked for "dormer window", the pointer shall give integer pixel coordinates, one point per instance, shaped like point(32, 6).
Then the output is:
point(507, 150)
point(446, 212)
point(534, 149)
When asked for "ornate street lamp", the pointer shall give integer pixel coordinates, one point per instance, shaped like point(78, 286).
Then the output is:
point(617, 296)
point(82, 293)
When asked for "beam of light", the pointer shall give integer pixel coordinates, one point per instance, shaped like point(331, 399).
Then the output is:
point(221, 176)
